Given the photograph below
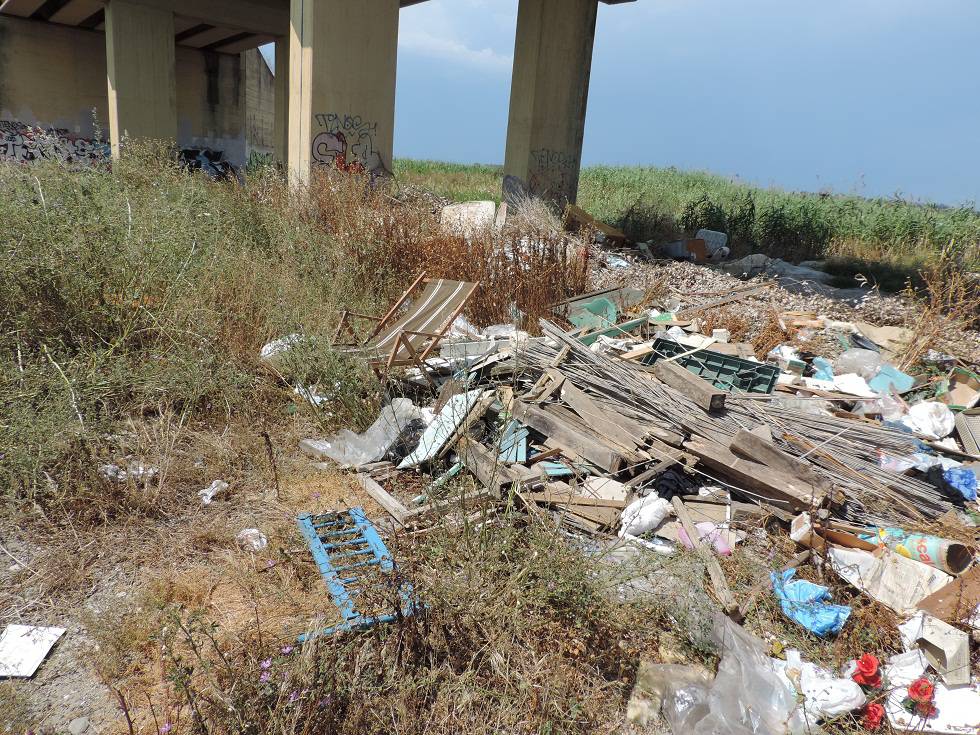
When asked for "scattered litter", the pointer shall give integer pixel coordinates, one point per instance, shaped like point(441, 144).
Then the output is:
point(208, 493)
point(279, 346)
point(963, 480)
point(951, 557)
point(24, 647)
point(252, 539)
point(643, 515)
point(138, 472)
point(946, 648)
point(351, 450)
point(888, 577)
point(807, 604)
point(825, 695)
point(957, 709)
point(931, 419)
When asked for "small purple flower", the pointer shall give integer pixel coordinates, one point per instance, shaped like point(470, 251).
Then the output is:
point(316, 496)
point(264, 677)
point(293, 696)
point(265, 665)
point(167, 727)
point(286, 650)
point(324, 701)
point(269, 563)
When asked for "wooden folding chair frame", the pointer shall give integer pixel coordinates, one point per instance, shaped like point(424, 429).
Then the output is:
point(417, 357)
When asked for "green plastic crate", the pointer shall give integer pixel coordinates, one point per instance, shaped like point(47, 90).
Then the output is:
point(724, 372)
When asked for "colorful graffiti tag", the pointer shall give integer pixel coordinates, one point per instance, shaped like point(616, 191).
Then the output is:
point(348, 143)
point(22, 143)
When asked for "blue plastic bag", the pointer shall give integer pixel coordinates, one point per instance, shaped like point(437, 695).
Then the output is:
point(963, 480)
point(806, 603)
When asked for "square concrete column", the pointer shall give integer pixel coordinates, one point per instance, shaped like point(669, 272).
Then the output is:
point(548, 97)
point(342, 59)
point(141, 72)
point(281, 127)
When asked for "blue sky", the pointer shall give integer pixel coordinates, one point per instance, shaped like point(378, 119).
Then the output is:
point(874, 97)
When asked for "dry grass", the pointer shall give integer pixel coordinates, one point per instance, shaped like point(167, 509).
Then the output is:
point(950, 301)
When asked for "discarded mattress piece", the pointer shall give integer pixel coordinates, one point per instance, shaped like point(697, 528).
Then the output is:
point(24, 647)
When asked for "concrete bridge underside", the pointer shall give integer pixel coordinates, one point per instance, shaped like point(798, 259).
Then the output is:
point(335, 76)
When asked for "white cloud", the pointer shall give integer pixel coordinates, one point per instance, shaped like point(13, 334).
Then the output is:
point(451, 49)
point(466, 32)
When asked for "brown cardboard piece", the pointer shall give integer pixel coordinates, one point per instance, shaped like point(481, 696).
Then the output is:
point(957, 601)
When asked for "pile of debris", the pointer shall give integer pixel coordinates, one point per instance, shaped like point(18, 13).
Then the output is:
point(624, 422)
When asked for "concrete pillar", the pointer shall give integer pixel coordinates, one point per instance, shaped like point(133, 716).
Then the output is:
point(342, 58)
point(548, 96)
point(281, 128)
point(141, 72)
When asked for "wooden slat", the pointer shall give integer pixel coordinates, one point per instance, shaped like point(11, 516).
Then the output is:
point(697, 389)
point(718, 581)
point(562, 498)
point(747, 444)
point(568, 438)
point(757, 479)
point(383, 498)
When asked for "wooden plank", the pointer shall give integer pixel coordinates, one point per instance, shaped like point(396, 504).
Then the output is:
point(752, 446)
point(546, 454)
point(600, 421)
point(383, 498)
point(568, 438)
point(562, 498)
point(718, 581)
point(737, 295)
point(483, 463)
point(698, 390)
point(758, 479)
point(441, 506)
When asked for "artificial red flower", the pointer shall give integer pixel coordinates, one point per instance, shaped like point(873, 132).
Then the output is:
point(873, 715)
point(925, 709)
point(921, 690)
point(867, 673)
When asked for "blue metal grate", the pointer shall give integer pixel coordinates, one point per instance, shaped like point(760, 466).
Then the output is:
point(346, 545)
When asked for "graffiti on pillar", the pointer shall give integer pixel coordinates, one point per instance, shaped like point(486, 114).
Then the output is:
point(553, 174)
point(347, 142)
point(23, 144)
point(211, 162)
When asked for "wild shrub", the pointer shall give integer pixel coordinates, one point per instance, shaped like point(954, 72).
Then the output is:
point(792, 230)
point(703, 212)
point(741, 224)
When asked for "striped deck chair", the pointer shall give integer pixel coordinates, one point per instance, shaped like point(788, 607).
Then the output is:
point(409, 331)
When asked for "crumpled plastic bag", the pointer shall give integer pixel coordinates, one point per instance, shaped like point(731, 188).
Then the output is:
point(806, 603)
point(352, 450)
point(747, 697)
point(932, 419)
point(644, 514)
point(865, 363)
point(963, 480)
point(252, 539)
point(826, 696)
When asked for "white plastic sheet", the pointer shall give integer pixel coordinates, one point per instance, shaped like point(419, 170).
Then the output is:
point(352, 450)
point(24, 647)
